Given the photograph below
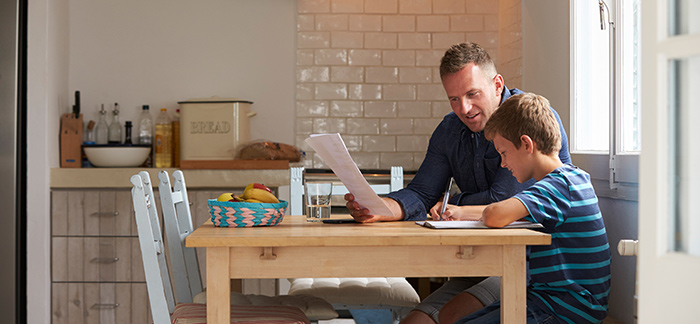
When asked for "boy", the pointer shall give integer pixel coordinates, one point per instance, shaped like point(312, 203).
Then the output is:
point(570, 279)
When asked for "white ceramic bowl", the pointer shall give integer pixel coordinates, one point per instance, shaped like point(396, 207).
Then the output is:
point(117, 156)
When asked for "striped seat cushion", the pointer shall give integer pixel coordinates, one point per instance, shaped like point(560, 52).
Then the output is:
point(197, 314)
point(314, 308)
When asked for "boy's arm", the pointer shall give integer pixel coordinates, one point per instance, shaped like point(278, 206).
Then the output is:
point(504, 212)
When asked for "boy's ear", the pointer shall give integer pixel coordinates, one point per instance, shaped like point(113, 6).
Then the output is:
point(527, 143)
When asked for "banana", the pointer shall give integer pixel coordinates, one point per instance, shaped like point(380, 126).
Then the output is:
point(251, 200)
point(260, 195)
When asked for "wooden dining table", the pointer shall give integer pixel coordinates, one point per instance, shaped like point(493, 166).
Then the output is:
point(296, 248)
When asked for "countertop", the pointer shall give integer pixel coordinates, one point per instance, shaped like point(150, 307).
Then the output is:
point(119, 177)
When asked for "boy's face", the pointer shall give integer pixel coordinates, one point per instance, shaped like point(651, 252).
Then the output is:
point(473, 96)
point(514, 159)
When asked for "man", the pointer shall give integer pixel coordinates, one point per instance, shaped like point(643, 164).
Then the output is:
point(459, 149)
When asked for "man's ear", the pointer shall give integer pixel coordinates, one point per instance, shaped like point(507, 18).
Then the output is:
point(527, 143)
point(499, 83)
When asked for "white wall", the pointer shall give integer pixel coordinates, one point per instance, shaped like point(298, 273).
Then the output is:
point(153, 52)
point(160, 52)
point(546, 71)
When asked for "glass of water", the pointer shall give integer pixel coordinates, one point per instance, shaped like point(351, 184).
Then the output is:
point(318, 200)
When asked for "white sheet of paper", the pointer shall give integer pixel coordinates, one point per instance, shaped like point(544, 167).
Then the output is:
point(332, 150)
point(474, 224)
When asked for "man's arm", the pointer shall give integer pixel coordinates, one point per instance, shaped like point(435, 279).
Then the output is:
point(504, 212)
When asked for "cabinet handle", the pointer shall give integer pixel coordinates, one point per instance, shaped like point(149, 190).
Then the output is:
point(104, 260)
point(115, 305)
point(105, 214)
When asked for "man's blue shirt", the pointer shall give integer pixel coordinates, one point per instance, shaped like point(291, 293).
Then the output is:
point(455, 151)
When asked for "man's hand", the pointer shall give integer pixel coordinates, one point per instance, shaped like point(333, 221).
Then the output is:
point(362, 214)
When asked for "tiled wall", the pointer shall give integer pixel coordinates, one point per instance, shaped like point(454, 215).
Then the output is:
point(368, 69)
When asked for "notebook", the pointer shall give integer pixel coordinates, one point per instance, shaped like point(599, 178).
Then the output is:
point(474, 224)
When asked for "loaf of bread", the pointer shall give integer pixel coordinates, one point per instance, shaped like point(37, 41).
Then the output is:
point(269, 151)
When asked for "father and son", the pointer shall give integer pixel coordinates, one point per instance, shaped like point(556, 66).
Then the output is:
point(508, 154)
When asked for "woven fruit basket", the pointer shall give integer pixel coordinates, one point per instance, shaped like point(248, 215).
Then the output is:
point(246, 214)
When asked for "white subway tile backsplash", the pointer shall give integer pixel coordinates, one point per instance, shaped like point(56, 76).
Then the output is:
point(345, 39)
point(380, 40)
point(382, 75)
point(381, 6)
point(415, 74)
point(387, 160)
point(380, 108)
point(399, 92)
point(398, 58)
point(415, 7)
point(369, 70)
point(331, 57)
point(365, 91)
point(331, 22)
point(312, 74)
point(414, 40)
point(412, 143)
point(431, 92)
point(378, 144)
point(331, 91)
point(305, 23)
point(365, 23)
point(445, 40)
point(313, 6)
point(313, 40)
point(312, 108)
point(396, 126)
point(467, 23)
point(448, 6)
point(401, 23)
point(347, 6)
point(364, 57)
point(346, 109)
point(415, 109)
point(363, 126)
point(433, 23)
point(350, 74)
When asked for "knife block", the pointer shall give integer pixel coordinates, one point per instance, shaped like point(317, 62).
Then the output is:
point(71, 140)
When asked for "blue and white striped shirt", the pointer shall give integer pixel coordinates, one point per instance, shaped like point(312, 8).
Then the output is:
point(570, 277)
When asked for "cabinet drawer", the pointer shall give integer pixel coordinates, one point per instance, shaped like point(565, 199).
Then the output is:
point(93, 259)
point(103, 303)
point(92, 212)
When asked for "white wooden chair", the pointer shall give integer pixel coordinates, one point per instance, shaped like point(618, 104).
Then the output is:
point(177, 220)
point(394, 294)
point(164, 308)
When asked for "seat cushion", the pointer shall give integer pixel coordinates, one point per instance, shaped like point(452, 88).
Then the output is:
point(197, 314)
point(358, 291)
point(314, 308)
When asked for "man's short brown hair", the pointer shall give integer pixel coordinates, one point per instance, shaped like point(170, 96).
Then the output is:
point(459, 55)
point(526, 114)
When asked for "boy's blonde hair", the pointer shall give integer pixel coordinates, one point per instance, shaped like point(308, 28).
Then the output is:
point(526, 114)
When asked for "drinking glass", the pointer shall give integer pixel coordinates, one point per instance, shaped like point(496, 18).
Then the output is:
point(318, 200)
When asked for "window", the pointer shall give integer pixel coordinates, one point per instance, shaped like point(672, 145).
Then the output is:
point(606, 137)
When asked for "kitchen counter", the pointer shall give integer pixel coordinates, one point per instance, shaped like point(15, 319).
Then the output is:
point(119, 177)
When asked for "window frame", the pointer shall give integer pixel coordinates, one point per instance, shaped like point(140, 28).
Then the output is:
point(614, 173)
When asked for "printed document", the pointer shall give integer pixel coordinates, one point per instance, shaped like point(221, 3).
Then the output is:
point(332, 150)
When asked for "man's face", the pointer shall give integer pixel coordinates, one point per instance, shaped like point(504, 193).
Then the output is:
point(473, 95)
point(514, 159)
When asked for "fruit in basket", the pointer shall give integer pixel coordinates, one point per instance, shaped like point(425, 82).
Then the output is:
point(226, 196)
point(257, 192)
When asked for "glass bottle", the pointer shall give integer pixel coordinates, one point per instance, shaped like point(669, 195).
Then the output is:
point(176, 139)
point(144, 133)
point(115, 128)
point(127, 133)
point(164, 134)
point(102, 130)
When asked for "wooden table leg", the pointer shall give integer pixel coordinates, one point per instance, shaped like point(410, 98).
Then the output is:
point(218, 286)
point(514, 285)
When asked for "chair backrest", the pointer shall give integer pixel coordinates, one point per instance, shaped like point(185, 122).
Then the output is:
point(177, 221)
point(160, 291)
point(296, 187)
